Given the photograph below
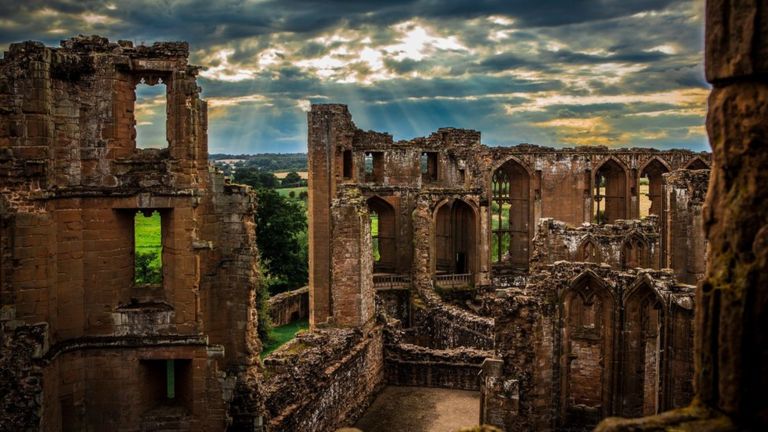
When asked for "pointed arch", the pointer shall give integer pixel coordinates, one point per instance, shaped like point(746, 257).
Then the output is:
point(455, 244)
point(643, 328)
point(697, 163)
point(651, 189)
point(586, 351)
point(383, 233)
point(634, 251)
point(588, 251)
point(610, 191)
point(510, 214)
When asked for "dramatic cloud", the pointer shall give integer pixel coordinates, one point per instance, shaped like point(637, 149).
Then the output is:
point(552, 72)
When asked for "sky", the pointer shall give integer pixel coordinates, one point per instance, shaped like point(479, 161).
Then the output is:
point(562, 73)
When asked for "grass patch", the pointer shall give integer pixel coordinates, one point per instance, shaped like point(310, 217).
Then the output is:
point(280, 335)
point(287, 191)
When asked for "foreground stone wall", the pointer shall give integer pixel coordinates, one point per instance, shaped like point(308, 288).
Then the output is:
point(324, 380)
point(71, 182)
point(582, 342)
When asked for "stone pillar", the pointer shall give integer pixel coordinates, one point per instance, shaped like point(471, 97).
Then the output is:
point(352, 294)
point(684, 240)
point(329, 128)
point(731, 371)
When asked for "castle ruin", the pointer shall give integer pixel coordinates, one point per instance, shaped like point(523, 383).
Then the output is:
point(540, 277)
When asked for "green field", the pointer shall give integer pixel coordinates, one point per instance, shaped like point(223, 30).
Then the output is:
point(148, 241)
point(296, 191)
point(280, 335)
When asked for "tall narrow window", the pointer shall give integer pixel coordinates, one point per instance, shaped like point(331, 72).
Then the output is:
point(374, 166)
point(375, 237)
point(428, 166)
point(510, 215)
point(610, 193)
point(150, 114)
point(170, 379)
point(148, 248)
point(347, 164)
point(383, 235)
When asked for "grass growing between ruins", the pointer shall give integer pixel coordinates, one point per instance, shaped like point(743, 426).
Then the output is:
point(280, 335)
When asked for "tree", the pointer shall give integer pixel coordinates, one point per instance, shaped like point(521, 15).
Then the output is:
point(255, 178)
point(281, 225)
point(292, 179)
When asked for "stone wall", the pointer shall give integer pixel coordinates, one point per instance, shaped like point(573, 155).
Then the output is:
point(413, 365)
point(584, 341)
point(72, 180)
point(621, 245)
point(290, 306)
point(324, 380)
point(21, 379)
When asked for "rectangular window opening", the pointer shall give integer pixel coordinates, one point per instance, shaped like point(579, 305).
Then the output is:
point(167, 383)
point(148, 248)
point(428, 165)
point(150, 114)
point(347, 163)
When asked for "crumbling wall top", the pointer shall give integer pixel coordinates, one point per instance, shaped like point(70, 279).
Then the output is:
point(695, 182)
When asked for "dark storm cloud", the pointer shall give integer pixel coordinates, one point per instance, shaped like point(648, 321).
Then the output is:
point(518, 70)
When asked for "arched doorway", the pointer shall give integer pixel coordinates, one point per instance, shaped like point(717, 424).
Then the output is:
point(383, 235)
point(510, 215)
point(455, 239)
point(610, 193)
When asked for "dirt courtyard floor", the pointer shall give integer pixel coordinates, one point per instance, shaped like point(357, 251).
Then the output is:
point(421, 409)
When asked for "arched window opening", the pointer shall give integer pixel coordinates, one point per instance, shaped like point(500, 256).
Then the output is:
point(610, 193)
point(510, 212)
point(696, 164)
point(383, 242)
point(455, 239)
point(651, 188)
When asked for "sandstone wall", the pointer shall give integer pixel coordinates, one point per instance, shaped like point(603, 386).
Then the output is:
point(621, 245)
point(323, 381)
point(290, 306)
point(71, 181)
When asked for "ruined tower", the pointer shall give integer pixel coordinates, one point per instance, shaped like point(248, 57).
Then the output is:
point(85, 343)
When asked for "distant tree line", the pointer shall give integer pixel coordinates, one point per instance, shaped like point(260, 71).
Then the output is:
point(268, 162)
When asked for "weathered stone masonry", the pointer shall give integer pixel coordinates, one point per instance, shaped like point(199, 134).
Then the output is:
point(71, 181)
point(474, 238)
